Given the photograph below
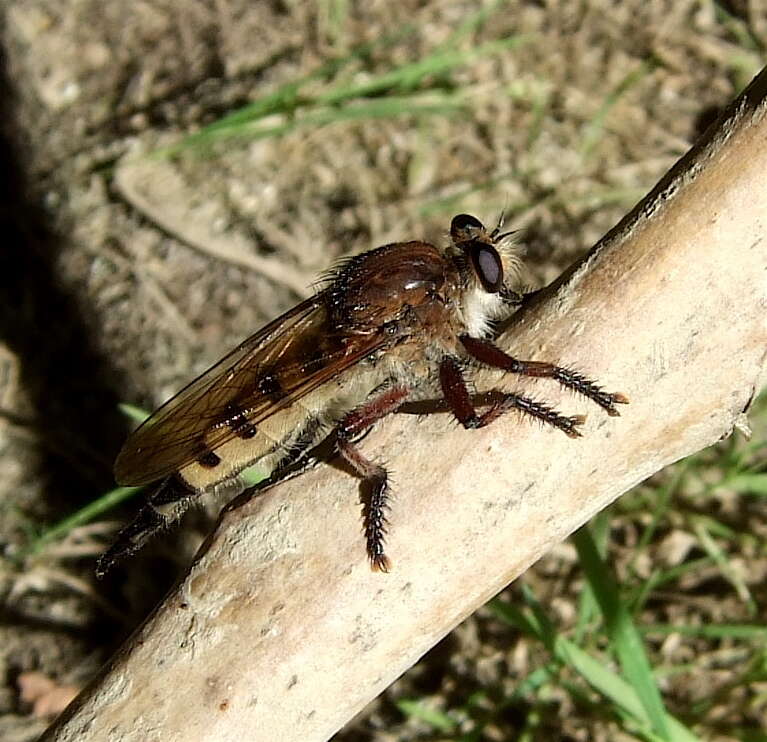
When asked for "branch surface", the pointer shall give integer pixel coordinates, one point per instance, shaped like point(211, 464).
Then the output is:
point(281, 632)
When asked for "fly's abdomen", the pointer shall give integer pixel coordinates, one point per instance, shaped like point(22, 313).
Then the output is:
point(264, 444)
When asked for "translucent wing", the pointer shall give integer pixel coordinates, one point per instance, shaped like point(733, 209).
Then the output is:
point(281, 363)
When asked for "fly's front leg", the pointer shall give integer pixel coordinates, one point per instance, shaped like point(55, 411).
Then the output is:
point(162, 509)
point(491, 355)
point(374, 476)
point(512, 298)
point(458, 397)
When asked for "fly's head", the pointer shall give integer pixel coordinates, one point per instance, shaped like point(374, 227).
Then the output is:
point(488, 262)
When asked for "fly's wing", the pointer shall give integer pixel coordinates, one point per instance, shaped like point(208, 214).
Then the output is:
point(281, 363)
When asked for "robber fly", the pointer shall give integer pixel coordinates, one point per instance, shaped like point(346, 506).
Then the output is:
point(399, 323)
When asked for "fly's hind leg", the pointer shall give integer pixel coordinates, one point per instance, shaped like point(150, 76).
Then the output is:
point(162, 509)
point(374, 476)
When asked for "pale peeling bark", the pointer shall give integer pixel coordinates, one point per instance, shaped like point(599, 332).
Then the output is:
point(281, 631)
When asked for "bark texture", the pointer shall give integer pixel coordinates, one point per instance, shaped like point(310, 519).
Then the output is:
point(281, 632)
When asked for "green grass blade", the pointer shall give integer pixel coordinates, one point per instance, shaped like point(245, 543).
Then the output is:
point(621, 693)
point(593, 131)
point(418, 710)
point(101, 505)
point(661, 507)
point(406, 77)
point(472, 23)
point(132, 412)
point(515, 618)
point(90, 512)
point(608, 683)
point(252, 475)
point(705, 529)
point(624, 637)
point(388, 107)
point(326, 107)
point(748, 484)
point(748, 632)
point(588, 610)
point(285, 99)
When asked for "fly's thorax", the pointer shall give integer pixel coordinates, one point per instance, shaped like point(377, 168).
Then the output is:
point(377, 288)
point(408, 365)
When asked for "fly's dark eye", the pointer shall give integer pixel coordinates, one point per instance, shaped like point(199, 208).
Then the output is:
point(488, 267)
point(464, 227)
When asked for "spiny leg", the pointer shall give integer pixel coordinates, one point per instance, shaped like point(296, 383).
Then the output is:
point(373, 475)
point(458, 397)
point(162, 509)
point(491, 355)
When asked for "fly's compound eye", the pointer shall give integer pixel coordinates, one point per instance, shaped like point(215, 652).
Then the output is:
point(465, 227)
point(487, 265)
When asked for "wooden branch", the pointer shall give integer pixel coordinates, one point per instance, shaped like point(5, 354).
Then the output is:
point(281, 632)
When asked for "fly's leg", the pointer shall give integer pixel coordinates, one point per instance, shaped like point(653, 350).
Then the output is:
point(162, 509)
point(510, 297)
point(458, 397)
point(491, 355)
point(374, 476)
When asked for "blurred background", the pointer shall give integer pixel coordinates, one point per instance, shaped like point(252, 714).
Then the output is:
point(177, 172)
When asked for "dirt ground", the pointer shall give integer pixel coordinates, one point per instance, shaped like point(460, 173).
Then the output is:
point(121, 283)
